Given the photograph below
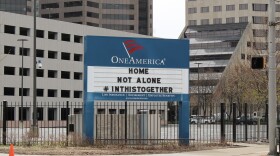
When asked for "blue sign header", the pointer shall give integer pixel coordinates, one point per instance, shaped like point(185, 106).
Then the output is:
point(136, 52)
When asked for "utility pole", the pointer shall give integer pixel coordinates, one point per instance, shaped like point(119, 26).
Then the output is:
point(272, 78)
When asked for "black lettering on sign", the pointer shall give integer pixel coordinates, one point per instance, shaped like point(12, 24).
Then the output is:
point(138, 71)
point(148, 80)
point(124, 79)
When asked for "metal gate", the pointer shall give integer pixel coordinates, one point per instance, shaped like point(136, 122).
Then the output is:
point(135, 122)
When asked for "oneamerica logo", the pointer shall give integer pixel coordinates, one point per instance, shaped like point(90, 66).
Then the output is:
point(130, 47)
point(131, 60)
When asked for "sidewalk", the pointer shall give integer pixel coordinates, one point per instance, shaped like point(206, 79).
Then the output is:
point(243, 150)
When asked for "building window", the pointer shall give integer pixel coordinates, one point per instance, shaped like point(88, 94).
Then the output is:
point(40, 33)
point(192, 22)
point(9, 91)
point(118, 6)
point(73, 3)
point(65, 74)
point(40, 112)
point(65, 93)
point(259, 33)
point(192, 10)
point(118, 16)
point(93, 24)
point(52, 35)
point(230, 7)
point(9, 50)
point(92, 14)
point(8, 29)
point(52, 114)
point(259, 20)
point(248, 44)
point(92, 4)
point(78, 94)
point(9, 70)
point(230, 20)
point(26, 92)
point(26, 71)
point(10, 113)
point(118, 26)
point(64, 113)
point(243, 19)
point(152, 111)
point(73, 14)
point(78, 76)
point(52, 93)
point(217, 8)
point(101, 111)
point(204, 9)
point(26, 51)
point(260, 46)
point(50, 5)
point(24, 31)
point(260, 7)
point(243, 6)
point(243, 56)
point(112, 111)
point(25, 112)
point(52, 54)
point(50, 16)
point(52, 74)
point(78, 39)
point(65, 37)
point(204, 21)
point(65, 56)
point(39, 53)
point(217, 21)
point(78, 57)
point(40, 72)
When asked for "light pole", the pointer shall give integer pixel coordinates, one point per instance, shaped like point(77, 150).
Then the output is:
point(21, 100)
point(34, 124)
point(272, 105)
point(198, 93)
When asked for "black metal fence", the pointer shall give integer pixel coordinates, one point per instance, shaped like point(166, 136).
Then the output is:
point(229, 123)
point(16, 122)
point(132, 123)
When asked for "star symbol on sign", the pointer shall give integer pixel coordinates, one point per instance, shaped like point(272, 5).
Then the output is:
point(106, 88)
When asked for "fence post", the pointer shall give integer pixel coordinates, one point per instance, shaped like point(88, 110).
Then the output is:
point(266, 119)
point(223, 135)
point(258, 130)
point(125, 122)
point(234, 122)
point(67, 122)
point(4, 130)
point(246, 121)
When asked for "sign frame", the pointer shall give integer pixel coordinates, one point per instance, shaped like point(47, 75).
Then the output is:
point(146, 55)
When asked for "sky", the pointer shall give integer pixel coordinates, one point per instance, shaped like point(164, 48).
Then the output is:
point(169, 18)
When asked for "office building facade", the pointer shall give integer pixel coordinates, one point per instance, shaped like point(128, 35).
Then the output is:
point(60, 49)
point(224, 32)
point(125, 15)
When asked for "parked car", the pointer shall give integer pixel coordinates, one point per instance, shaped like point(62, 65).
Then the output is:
point(201, 119)
point(250, 121)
